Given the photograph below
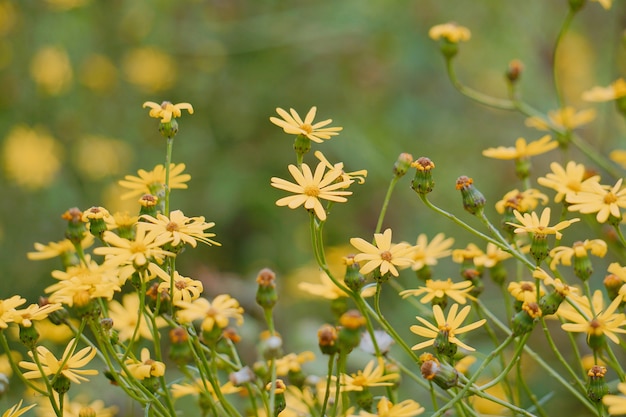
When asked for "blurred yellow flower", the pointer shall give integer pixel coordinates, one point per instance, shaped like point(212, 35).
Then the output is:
point(201, 386)
point(385, 408)
point(616, 90)
point(566, 118)
point(63, 248)
point(17, 410)
point(98, 73)
point(565, 181)
point(167, 111)
point(426, 253)
point(521, 201)
point(604, 3)
point(152, 182)
point(31, 157)
point(450, 31)
point(373, 375)
point(294, 125)
point(7, 309)
point(619, 157)
point(293, 362)
point(150, 69)
point(125, 316)
point(76, 407)
point(522, 149)
point(98, 157)
point(326, 288)
point(616, 403)
point(439, 289)
point(51, 69)
point(8, 17)
point(145, 367)
point(601, 200)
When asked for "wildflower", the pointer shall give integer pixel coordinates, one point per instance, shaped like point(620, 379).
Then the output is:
point(524, 291)
point(423, 182)
point(166, 111)
point(531, 223)
point(51, 69)
point(76, 408)
point(616, 90)
point(7, 309)
point(152, 182)
point(436, 290)
point(327, 339)
point(326, 288)
point(17, 410)
point(358, 176)
point(311, 187)
point(292, 124)
point(619, 157)
point(563, 254)
point(616, 403)
point(442, 374)
point(126, 315)
point(216, 313)
point(473, 199)
point(451, 32)
point(403, 163)
point(521, 201)
point(200, 386)
point(34, 312)
point(448, 326)
point(491, 257)
point(566, 118)
point(567, 181)
point(145, 367)
point(71, 363)
point(598, 199)
point(63, 248)
point(385, 408)
point(596, 385)
point(370, 376)
point(178, 229)
point(522, 149)
point(469, 253)
point(426, 253)
point(293, 362)
point(185, 289)
point(384, 255)
point(142, 254)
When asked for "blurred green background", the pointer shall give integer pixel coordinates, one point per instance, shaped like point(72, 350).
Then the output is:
point(74, 74)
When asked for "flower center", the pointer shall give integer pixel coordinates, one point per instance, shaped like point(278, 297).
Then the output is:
point(307, 128)
point(573, 185)
point(386, 256)
point(610, 198)
point(172, 227)
point(312, 190)
point(181, 285)
point(527, 287)
point(359, 380)
point(137, 247)
point(595, 328)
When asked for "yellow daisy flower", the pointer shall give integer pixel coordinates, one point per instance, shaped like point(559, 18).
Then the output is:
point(531, 223)
point(619, 157)
point(145, 367)
point(7, 309)
point(200, 386)
point(563, 254)
point(598, 199)
point(294, 125)
point(17, 410)
point(384, 255)
point(525, 291)
point(566, 118)
point(492, 256)
point(185, 289)
point(152, 182)
point(166, 111)
point(34, 312)
point(217, 313)
point(522, 149)
point(178, 229)
point(595, 322)
point(427, 253)
point(69, 365)
point(373, 375)
point(569, 180)
point(616, 90)
point(521, 201)
point(61, 248)
point(293, 362)
point(438, 289)
point(358, 176)
point(311, 187)
point(450, 31)
point(125, 316)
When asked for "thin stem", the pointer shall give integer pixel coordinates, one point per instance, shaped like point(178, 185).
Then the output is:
point(383, 210)
point(559, 356)
point(168, 162)
point(331, 363)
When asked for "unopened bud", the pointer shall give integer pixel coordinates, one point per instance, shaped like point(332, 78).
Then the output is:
point(596, 385)
point(473, 200)
point(514, 70)
point(402, 165)
point(266, 295)
point(423, 182)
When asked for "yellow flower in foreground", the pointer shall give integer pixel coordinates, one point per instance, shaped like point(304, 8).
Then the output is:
point(595, 322)
point(70, 362)
point(17, 410)
point(294, 125)
point(437, 289)
point(76, 407)
point(383, 255)
point(311, 187)
point(152, 182)
point(569, 180)
point(563, 254)
point(178, 229)
point(426, 253)
point(531, 223)
point(385, 408)
point(449, 326)
point(167, 111)
point(616, 403)
point(598, 199)
point(146, 367)
point(566, 118)
point(619, 157)
point(185, 289)
point(370, 376)
point(450, 31)
point(522, 149)
point(614, 91)
point(218, 312)
point(34, 312)
point(7, 309)
point(521, 201)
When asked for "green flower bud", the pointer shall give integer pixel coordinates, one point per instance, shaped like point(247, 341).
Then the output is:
point(29, 336)
point(61, 384)
point(76, 228)
point(539, 247)
point(350, 331)
point(582, 267)
point(550, 303)
point(266, 295)
point(514, 71)
point(353, 278)
point(473, 200)
point(365, 399)
point(302, 145)
point(149, 205)
point(402, 165)
point(612, 283)
point(169, 129)
point(524, 321)
point(442, 374)
point(443, 346)
point(423, 182)
point(596, 385)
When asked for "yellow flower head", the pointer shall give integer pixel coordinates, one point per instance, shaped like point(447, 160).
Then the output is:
point(167, 111)
point(599, 199)
point(127, 317)
point(293, 362)
point(592, 317)
point(566, 118)
point(177, 229)
point(426, 253)
point(51, 69)
point(294, 125)
point(149, 68)
point(185, 289)
point(599, 94)
point(438, 289)
point(531, 223)
point(7, 309)
point(521, 201)
point(524, 291)
point(522, 149)
point(146, 367)
point(34, 312)
point(569, 180)
point(384, 255)
point(17, 410)
point(616, 403)
point(563, 254)
point(358, 176)
point(217, 313)
point(450, 31)
point(152, 182)
point(619, 157)
point(373, 375)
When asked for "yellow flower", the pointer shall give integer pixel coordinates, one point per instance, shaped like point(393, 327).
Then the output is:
point(67, 366)
point(616, 403)
point(292, 362)
point(146, 367)
point(491, 257)
point(596, 321)
point(150, 69)
point(569, 180)
point(470, 252)
point(63, 248)
point(522, 149)
point(125, 316)
point(383, 255)
point(521, 201)
point(326, 288)
point(50, 68)
point(619, 156)
point(17, 410)
point(7, 309)
point(294, 125)
point(598, 199)
point(531, 223)
point(167, 111)
point(31, 157)
point(358, 176)
point(563, 254)
point(311, 187)
point(426, 253)
point(98, 73)
point(524, 291)
point(614, 91)
point(34, 312)
point(385, 408)
point(448, 325)
point(370, 376)
point(450, 31)
point(185, 289)
point(199, 386)
point(152, 182)
point(566, 118)
point(75, 408)
point(219, 312)
point(177, 229)
point(437, 289)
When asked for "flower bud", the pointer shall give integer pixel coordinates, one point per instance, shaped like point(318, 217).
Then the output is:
point(180, 351)
point(473, 200)
point(149, 205)
point(582, 264)
point(539, 247)
point(524, 321)
point(266, 295)
point(302, 145)
point(550, 303)
point(612, 283)
point(29, 336)
point(402, 165)
point(365, 399)
point(169, 129)
point(279, 395)
point(596, 385)
point(61, 384)
point(442, 374)
point(350, 331)
point(272, 347)
point(443, 346)
point(514, 71)
point(95, 216)
point(327, 339)
point(423, 182)
point(76, 229)
point(353, 278)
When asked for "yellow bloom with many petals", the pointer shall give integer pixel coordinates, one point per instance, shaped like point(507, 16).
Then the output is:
point(17, 410)
point(492, 256)
point(373, 375)
point(384, 255)
point(167, 111)
point(521, 201)
point(185, 289)
point(591, 317)
point(69, 365)
point(616, 90)
point(538, 226)
point(616, 403)
point(566, 118)
point(525, 291)
point(145, 367)
point(358, 176)
point(311, 187)
point(216, 313)
point(601, 200)
point(7, 309)
point(178, 229)
point(126, 315)
point(426, 253)
point(450, 326)
point(438, 289)
point(152, 182)
point(294, 125)
point(34, 312)
point(569, 180)
point(522, 149)
point(450, 31)
point(563, 254)
point(63, 249)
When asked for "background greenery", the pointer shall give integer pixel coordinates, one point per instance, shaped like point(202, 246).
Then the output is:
point(79, 70)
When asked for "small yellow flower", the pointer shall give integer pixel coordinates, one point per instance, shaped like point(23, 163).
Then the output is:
point(370, 376)
point(149, 68)
point(217, 313)
point(450, 31)
point(531, 223)
point(17, 410)
point(293, 362)
point(326, 288)
point(450, 325)
point(294, 125)
point(311, 187)
point(185, 289)
point(167, 111)
point(7, 309)
point(492, 256)
point(569, 180)
point(614, 91)
point(437, 289)
point(521, 201)
point(152, 182)
point(146, 367)
point(34, 312)
point(601, 200)
point(383, 255)
point(178, 229)
point(616, 403)
point(426, 253)
point(566, 118)
point(522, 149)
point(563, 254)
point(358, 176)
point(525, 291)
point(67, 366)
point(125, 316)
point(604, 3)
point(470, 252)
point(593, 318)
point(200, 386)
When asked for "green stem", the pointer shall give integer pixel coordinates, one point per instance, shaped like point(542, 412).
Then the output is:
point(559, 356)
point(383, 210)
point(331, 362)
point(168, 162)
point(555, 74)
